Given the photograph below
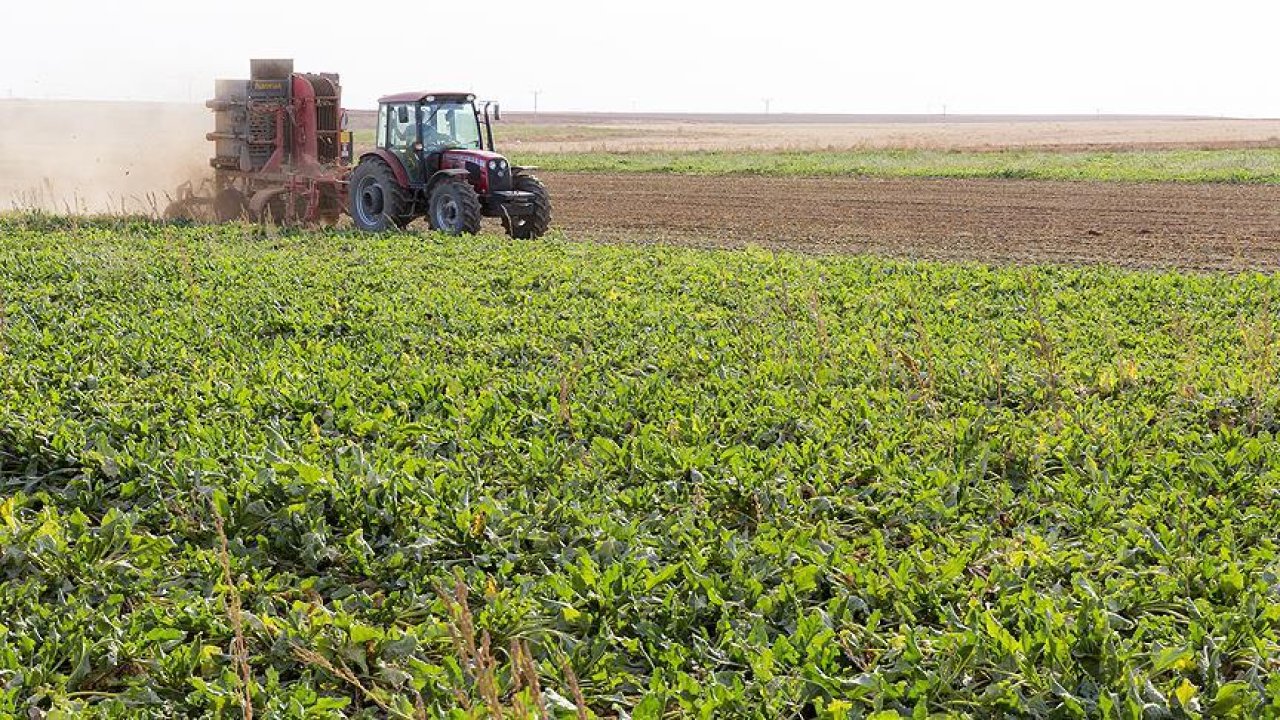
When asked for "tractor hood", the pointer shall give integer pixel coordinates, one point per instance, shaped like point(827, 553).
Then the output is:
point(487, 170)
point(483, 157)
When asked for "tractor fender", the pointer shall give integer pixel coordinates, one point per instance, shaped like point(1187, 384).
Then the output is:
point(397, 167)
point(442, 174)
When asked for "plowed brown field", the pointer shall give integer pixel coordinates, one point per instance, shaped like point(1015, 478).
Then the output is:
point(1201, 227)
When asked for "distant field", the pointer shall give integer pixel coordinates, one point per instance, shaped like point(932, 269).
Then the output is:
point(923, 134)
point(547, 137)
point(1155, 149)
point(603, 132)
point(541, 145)
point(1239, 166)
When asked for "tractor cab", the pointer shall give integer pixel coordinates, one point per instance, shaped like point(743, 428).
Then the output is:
point(435, 157)
point(417, 128)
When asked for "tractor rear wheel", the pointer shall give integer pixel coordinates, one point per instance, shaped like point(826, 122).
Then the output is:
point(455, 207)
point(377, 202)
point(537, 224)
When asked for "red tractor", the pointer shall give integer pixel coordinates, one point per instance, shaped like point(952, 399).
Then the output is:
point(283, 155)
point(435, 158)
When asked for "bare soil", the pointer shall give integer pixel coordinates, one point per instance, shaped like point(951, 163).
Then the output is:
point(1200, 227)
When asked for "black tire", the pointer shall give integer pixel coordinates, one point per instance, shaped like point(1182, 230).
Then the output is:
point(376, 202)
point(537, 224)
point(455, 207)
point(230, 205)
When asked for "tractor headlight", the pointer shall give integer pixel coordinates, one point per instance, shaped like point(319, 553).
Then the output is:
point(493, 165)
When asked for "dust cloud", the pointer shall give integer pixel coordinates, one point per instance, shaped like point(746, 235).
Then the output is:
point(99, 157)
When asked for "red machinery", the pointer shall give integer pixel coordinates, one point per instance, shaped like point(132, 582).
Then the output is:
point(435, 159)
point(282, 153)
point(283, 156)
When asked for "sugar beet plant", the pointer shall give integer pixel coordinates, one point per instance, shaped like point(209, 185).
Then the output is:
point(324, 475)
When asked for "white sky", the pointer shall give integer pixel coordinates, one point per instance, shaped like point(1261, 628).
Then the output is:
point(1214, 57)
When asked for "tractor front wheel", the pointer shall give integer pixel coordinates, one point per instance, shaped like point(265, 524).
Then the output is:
point(376, 201)
point(455, 207)
point(536, 225)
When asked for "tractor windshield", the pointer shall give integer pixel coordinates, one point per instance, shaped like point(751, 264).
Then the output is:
point(450, 125)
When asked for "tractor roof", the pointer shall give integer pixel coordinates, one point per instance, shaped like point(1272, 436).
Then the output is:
point(418, 97)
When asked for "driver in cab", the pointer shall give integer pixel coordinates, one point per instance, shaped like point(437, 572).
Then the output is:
point(432, 136)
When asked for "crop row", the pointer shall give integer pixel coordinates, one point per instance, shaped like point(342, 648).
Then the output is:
point(331, 475)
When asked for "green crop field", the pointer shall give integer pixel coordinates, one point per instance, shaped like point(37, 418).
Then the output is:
point(1237, 166)
point(335, 475)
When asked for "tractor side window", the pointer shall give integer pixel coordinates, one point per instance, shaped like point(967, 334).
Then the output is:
point(402, 127)
point(383, 117)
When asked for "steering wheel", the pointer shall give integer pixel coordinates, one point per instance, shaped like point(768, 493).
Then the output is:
point(437, 139)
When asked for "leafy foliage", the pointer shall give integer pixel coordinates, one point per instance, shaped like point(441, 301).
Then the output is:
point(451, 475)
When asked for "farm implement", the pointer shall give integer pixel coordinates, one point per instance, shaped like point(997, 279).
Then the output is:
point(283, 155)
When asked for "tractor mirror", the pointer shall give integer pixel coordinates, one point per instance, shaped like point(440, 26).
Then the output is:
point(497, 112)
point(402, 115)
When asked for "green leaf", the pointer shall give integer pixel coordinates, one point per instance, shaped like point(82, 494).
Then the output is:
point(1170, 657)
point(361, 634)
point(7, 509)
point(1231, 698)
point(1007, 642)
point(165, 635)
point(839, 708)
point(663, 575)
point(308, 473)
point(650, 708)
point(1185, 692)
point(805, 577)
